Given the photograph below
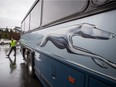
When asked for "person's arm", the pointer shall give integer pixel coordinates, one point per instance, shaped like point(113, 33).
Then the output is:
point(10, 44)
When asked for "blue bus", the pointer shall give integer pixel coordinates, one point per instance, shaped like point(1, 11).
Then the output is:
point(71, 43)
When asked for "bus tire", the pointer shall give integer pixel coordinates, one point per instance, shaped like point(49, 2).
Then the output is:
point(30, 64)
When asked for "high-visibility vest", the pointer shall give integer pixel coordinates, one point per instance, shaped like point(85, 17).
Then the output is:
point(13, 43)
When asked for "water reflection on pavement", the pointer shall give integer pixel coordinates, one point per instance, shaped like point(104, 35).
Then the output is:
point(13, 72)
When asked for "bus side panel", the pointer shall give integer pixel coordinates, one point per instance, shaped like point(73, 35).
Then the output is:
point(57, 73)
point(96, 83)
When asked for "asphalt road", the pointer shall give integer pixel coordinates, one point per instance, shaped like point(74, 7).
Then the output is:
point(13, 72)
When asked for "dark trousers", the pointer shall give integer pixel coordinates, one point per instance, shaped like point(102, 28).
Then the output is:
point(12, 48)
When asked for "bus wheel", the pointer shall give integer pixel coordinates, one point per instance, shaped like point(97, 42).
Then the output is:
point(30, 65)
point(26, 57)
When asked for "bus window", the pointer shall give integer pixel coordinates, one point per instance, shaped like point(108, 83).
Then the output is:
point(27, 23)
point(54, 10)
point(23, 26)
point(35, 16)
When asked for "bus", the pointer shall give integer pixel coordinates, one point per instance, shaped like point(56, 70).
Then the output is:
point(71, 43)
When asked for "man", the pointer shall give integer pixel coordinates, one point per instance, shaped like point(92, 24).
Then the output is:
point(13, 47)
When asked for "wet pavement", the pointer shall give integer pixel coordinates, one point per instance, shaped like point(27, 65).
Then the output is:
point(13, 72)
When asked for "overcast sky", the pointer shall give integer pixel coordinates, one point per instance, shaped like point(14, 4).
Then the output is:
point(12, 12)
